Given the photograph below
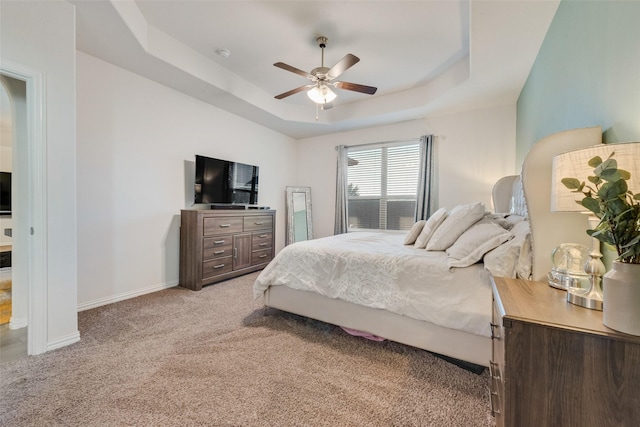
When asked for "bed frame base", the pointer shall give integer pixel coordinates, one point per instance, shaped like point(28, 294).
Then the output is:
point(469, 349)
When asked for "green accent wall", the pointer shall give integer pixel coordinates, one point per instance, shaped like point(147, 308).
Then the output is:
point(587, 73)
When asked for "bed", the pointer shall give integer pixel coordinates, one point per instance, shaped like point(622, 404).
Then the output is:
point(377, 285)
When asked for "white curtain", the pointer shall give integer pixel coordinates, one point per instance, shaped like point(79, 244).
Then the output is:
point(424, 202)
point(342, 218)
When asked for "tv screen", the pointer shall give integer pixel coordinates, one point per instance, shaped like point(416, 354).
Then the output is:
point(5, 193)
point(225, 182)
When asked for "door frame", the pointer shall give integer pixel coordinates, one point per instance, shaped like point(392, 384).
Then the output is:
point(36, 202)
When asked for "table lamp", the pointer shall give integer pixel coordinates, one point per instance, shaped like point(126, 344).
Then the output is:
point(575, 164)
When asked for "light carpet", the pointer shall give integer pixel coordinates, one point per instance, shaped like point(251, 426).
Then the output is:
point(219, 358)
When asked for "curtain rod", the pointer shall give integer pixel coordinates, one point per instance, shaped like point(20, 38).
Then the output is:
point(381, 143)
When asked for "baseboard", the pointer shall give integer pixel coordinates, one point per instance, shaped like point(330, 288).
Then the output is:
point(17, 322)
point(124, 296)
point(63, 341)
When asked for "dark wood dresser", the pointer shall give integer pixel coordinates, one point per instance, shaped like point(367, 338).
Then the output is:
point(556, 364)
point(217, 245)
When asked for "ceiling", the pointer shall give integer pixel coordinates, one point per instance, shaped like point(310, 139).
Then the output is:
point(425, 57)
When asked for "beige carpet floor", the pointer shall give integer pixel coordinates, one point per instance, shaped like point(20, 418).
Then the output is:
point(219, 358)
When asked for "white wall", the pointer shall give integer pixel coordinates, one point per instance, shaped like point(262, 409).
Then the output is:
point(136, 145)
point(473, 149)
point(40, 35)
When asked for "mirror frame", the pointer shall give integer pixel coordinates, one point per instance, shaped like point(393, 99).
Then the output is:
point(290, 225)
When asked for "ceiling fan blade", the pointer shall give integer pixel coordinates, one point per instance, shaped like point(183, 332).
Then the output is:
point(294, 70)
point(343, 65)
point(291, 92)
point(370, 90)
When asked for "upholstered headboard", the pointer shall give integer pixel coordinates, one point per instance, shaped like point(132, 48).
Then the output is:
point(550, 229)
point(508, 196)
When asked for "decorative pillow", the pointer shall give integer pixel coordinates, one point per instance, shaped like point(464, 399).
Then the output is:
point(524, 266)
point(479, 239)
point(414, 232)
point(430, 227)
point(501, 220)
point(513, 258)
point(457, 222)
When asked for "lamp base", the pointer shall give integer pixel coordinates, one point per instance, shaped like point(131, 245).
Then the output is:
point(587, 298)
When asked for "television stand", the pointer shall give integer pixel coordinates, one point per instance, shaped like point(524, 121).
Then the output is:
point(221, 244)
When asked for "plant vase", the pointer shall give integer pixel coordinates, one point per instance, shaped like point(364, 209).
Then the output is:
point(621, 289)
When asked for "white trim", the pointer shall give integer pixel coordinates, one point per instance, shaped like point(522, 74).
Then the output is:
point(37, 202)
point(17, 322)
point(125, 295)
point(63, 341)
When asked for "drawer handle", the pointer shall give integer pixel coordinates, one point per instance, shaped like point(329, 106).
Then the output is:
point(262, 256)
point(493, 371)
point(225, 225)
point(263, 244)
point(260, 223)
point(262, 236)
point(493, 327)
point(218, 242)
point(494, 411)
point(218, 252)
point(235, 252)
point(215, 267)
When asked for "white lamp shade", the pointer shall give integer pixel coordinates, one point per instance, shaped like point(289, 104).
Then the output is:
point(575, 164)
point(321, 94)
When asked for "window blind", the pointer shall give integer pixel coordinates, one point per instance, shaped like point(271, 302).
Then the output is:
point(382, 185)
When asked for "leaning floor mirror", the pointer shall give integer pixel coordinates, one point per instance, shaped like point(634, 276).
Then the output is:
point(299, 225)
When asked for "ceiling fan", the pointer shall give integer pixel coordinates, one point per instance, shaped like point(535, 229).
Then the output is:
point(322, 77)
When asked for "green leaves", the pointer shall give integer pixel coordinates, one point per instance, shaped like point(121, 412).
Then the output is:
point(572, 184)
point(612, 190)
point(612, 202)
point(592, 204)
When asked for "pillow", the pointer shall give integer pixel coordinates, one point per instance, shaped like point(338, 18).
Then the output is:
point(414, 232)
point(430, 227)
point(501, 220)
point(457, 222)
point(513, 258)
point(479, 239)
point(524, 268)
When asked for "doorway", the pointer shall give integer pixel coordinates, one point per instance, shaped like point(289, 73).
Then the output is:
point(25, 90)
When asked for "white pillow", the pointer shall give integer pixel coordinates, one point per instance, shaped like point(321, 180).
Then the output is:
point(414, 232)
point(479, 239)
point(513, 258)
point(430, 227)
point(457, 222)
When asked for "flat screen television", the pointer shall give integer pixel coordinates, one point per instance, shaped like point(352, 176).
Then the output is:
point(225, 182)
point(5, 193)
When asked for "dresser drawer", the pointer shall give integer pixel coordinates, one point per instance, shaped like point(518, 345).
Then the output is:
point(261, 240)
point(223, 225)
point(215, 267)
point(217, 247)
point(262, 256)
point(254, 223)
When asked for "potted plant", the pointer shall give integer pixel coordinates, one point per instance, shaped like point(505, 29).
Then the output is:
point(608, 197)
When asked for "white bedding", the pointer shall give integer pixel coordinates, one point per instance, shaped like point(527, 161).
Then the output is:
point(376, 270)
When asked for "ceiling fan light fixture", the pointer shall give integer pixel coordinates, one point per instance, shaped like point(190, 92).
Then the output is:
point(321, 94)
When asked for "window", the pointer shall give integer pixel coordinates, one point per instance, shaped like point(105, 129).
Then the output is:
point(382, 186)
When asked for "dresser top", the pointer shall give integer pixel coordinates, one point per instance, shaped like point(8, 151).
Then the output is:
point(537, 302)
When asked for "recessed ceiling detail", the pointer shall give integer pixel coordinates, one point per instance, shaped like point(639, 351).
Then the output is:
point(424, 57)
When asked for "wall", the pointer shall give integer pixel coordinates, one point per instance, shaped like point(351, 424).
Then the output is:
point(586, 74)
point(40, 35)
point(473, 149)
point(136, 145)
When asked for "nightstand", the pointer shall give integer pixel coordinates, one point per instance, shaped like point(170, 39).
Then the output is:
point(556, 364)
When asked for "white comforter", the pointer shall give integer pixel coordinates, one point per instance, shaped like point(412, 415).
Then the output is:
point(376, 270)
